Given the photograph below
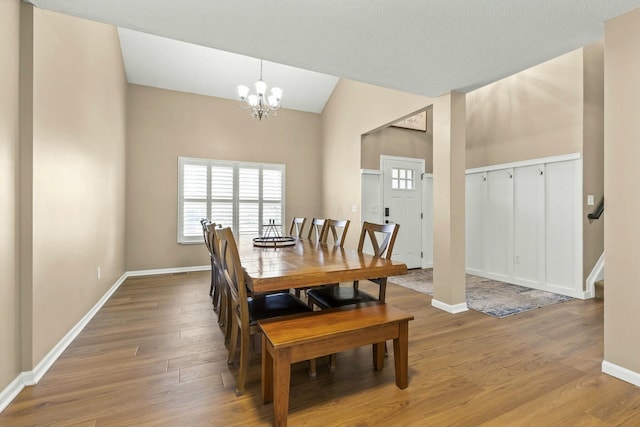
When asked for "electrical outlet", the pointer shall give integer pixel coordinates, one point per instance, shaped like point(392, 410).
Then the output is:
point(590, 200)
point(99, 273)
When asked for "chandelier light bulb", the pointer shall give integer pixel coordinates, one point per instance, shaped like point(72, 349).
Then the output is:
point(277, 92)
point(261, 87)
point(260, 105)
point(243, 91)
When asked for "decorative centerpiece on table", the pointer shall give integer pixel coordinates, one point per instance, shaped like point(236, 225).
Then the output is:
point(271, 237)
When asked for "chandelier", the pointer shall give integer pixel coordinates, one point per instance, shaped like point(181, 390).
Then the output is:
point(261, 105)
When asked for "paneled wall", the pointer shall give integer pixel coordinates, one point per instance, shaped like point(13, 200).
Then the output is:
point(523, 224)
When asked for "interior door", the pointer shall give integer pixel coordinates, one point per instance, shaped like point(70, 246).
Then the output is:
point(402, 195)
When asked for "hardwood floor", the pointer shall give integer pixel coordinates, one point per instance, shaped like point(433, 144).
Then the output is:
point(154, 355)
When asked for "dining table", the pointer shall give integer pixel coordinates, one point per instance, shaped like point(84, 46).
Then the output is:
point(308, 262)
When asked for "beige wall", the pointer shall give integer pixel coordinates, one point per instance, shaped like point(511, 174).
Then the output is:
point(532, 114)
point(78, 171)
point(9, 134)
point(592, 153)
point(354, 109)
point(622, 151)
point(165, 125)
point(393, 141)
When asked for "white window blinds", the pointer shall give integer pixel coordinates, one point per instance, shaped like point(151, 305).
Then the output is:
point(240, 195)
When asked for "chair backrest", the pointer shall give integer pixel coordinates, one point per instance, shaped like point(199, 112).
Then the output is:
point(213, 243)
point(382, 237)
point(297, 225)
point(205, 222)
point(317, 225)
point(338, 229)
point(233, 274)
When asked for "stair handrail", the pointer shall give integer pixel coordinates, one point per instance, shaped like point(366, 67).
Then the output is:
point(598, 210)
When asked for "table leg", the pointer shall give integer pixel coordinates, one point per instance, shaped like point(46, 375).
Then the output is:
point(267, 373)
point(282, 380)
point(378, 356)
point(401, 355)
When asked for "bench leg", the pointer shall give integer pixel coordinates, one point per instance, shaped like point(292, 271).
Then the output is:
point(282, 380)
point(401, 355)
point(267, 373)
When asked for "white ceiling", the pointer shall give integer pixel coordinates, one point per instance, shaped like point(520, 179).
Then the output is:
point(419, 46)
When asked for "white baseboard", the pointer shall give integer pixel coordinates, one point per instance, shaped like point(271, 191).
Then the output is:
point(597, 273)
point(137, 273)
point(453, 309)
point(621, 373)
point(10, 392)
point(28, 378)
point(579, 294)
point(43, 366)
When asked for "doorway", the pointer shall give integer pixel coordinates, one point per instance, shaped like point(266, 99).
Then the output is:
point(402, 204)
point(405, 146)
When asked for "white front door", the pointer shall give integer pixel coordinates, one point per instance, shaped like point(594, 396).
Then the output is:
point(402, 195)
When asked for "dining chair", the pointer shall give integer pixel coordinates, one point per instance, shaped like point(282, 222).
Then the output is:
point(316, 227)
point(382, 238)
point(247, 311)
point(337, 229)
point(297, 225)
point(205, 223)
point(219, 296)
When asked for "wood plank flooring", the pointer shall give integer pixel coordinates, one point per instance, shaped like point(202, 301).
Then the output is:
point(154, 355)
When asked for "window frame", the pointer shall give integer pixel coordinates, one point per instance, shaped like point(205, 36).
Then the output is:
point(236, 165)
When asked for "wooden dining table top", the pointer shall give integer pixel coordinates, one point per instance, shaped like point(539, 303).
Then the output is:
point(309, 263)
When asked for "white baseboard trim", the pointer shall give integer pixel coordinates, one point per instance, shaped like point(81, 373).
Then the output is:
point(597, 273)
point(32, 377)
point(453, 309)
point(43, 366)
point(157, 271)
point(621, 373)
point(10, 392)
point(547, 287)
point(28, 378)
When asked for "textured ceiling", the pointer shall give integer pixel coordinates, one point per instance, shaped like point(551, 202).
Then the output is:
point(426, 47)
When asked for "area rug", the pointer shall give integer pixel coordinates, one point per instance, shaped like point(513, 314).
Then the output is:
point(497, 299)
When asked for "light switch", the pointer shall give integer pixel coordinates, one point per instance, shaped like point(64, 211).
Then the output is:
point(590, 200)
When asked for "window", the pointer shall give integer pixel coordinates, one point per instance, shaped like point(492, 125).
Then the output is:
point(402, 179)
point(239, 195)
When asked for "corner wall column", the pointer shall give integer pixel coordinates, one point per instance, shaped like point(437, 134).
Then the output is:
point(449, 141)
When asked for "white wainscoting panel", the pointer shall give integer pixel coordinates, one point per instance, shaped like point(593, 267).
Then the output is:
point(475, 211)
point(529, 225)
point(562, 213)
point(498, 242)
point(524, 224)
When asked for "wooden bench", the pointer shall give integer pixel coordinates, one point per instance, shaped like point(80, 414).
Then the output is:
point(303, 337)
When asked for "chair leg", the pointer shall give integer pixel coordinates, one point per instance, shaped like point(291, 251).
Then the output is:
point(312, 368)
point(332, 362)
point(228, 318)
point(215, 292)
point(233, 342)
point(244, 362)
